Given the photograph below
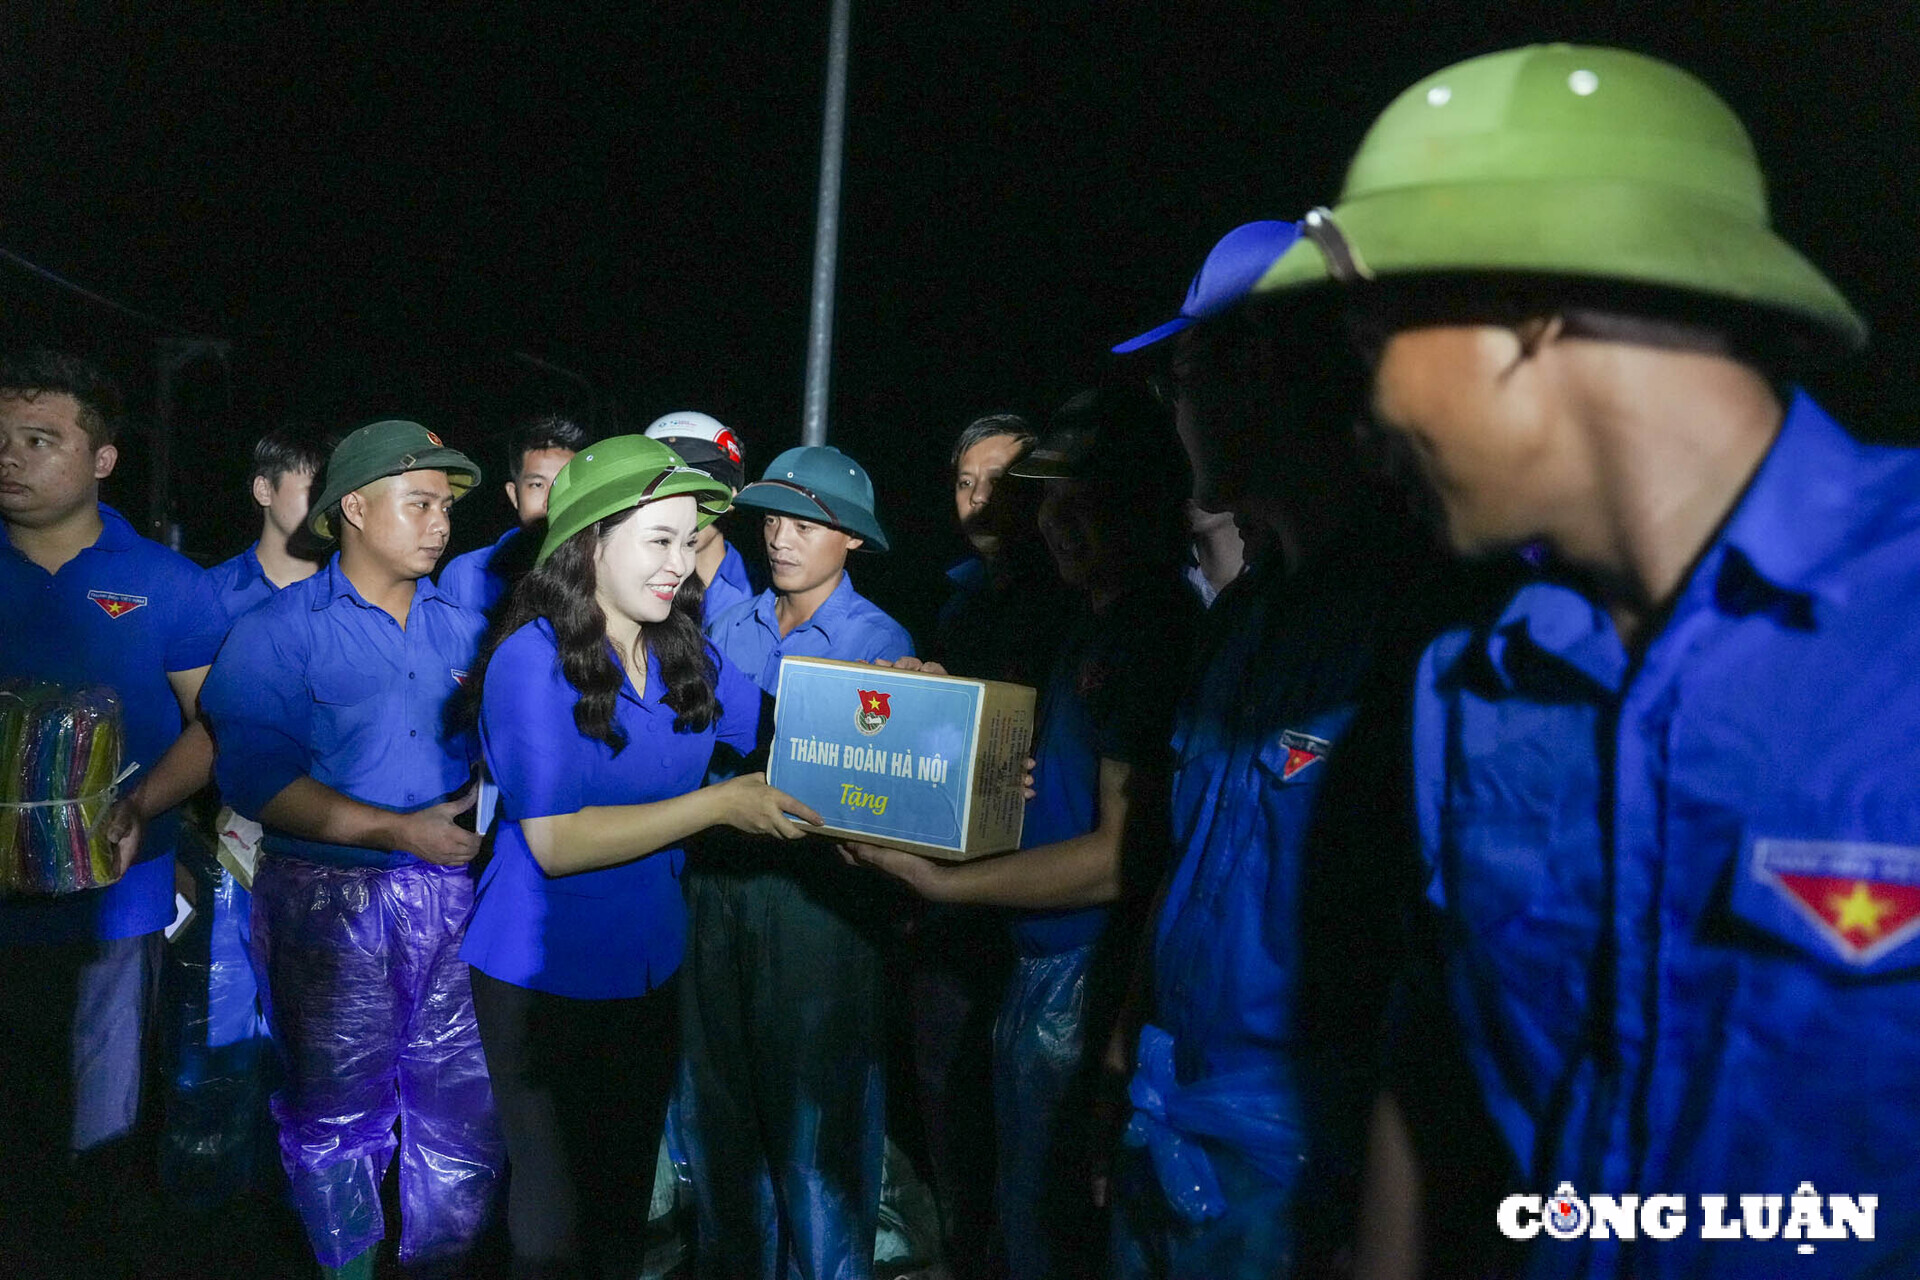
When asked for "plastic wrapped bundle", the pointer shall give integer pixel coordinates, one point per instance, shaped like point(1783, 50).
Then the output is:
point(59, 773)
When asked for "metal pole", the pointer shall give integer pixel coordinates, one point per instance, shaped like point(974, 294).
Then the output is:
point(826, 236)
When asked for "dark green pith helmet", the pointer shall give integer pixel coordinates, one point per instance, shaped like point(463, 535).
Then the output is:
point(1565, 161)
point(381, 449)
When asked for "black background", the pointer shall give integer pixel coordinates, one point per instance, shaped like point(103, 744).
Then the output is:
point(378, 209)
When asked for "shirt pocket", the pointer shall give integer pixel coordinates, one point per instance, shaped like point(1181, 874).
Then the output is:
point(346, 709)
point(1850, 905)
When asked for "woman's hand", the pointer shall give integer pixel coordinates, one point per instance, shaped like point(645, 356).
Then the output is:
point(922, 875)
point(754, 807)
point(1026, 778)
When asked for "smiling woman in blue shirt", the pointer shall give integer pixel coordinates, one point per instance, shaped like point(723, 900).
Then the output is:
point(600, 710)
point(1666, 798)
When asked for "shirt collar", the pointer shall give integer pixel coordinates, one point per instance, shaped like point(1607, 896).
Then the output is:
point(251, 568)
point(1779, 549)
point(339, 587)
point(831, 611)
point(116, 531)
point(1802, 512)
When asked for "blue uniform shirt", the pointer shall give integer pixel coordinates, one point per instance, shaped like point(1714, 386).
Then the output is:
point(847, 627)
point(1680, 892)
point(477, 579)
point(240, 583)
point(730, 585)
point(618, 931)
point(320, 683)
point(1110, 696)
point(122, 613)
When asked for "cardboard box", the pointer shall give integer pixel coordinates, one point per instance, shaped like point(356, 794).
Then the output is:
point(929, 764)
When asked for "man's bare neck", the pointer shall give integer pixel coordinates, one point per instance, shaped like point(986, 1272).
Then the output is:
point(797, 609)
point(378, 586)
point(1673, 450)
point(51, 546)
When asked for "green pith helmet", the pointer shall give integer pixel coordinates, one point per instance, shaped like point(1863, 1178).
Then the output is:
point(625, 471)
point(1565, 160)
point(391, 447)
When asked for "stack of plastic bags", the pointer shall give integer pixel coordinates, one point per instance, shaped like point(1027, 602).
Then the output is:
point(59, 772)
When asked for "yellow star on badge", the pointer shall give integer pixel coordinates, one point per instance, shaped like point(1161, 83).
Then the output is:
point(1858, 911)
point(873, 704)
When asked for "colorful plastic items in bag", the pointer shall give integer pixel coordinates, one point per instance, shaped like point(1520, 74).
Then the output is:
point(59, 774)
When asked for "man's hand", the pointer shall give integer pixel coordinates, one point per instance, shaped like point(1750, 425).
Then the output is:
point(123, 827)
point(911, 664)
point(432, 835)
point(923, 876)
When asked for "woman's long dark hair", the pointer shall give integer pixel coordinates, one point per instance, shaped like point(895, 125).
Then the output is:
point(562, 592)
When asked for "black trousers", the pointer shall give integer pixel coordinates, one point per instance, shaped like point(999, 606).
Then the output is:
point(581, 1088)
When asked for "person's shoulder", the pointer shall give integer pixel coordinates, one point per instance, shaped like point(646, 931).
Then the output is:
point(871, 618)
point(290, 604)
point(529, 655)
point(228, 571)
point(736, 613)
point(467, 562)
point(281, 624)
point(156, 560)
point(533, 638)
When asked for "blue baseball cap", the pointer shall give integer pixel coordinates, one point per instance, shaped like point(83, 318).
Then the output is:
point(1226, 278)
point(821, 484)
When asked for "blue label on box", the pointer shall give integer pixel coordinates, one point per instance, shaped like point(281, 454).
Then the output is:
point(879, 752)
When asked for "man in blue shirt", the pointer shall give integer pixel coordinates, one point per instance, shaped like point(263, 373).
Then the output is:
point(1269, 955)
point(84, 600)
point(330, 704)
point(1666, 796)
point(705, 444)
point(536, 451)
point(281, 485)
point(219, 1073)
point(1094, 840)
point(782, 1018)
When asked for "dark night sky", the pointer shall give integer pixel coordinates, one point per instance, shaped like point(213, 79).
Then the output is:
point(377, 209)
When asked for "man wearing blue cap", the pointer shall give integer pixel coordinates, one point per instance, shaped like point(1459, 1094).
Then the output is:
point(330, 705)
point(782, 1020)
point(1269, 955)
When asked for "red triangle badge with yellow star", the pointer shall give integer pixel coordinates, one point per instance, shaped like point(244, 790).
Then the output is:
point(114, 604)
point(1303, 752)
point(1862, 900)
